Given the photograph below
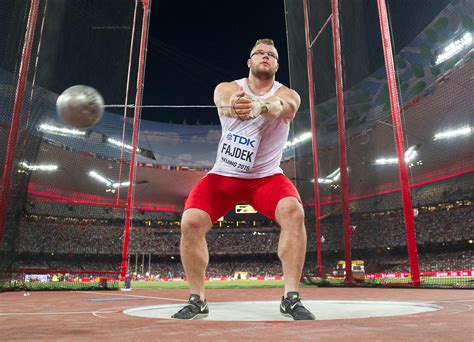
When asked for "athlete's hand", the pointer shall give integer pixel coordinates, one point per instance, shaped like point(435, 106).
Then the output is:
point(241, 105)
point(259, 107)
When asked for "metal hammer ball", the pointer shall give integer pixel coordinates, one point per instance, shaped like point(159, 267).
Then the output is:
point(80, 106)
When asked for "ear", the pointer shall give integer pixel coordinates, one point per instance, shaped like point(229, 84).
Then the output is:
point(249, 63)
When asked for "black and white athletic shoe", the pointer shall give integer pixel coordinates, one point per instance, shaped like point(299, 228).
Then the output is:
point(291, 306)
point(195, 309)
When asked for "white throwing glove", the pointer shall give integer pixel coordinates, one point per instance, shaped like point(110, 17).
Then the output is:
point(258, 107)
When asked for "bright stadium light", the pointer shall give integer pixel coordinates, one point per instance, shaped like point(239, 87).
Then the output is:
point(41, 167)
point(453, 133)
point(455, 47)
point(298, 140)
point(60, 130)
point(410, 155)
point(120, 144)
point(100, 178)
point(118, 185)
point(111, 185)
point(333, 177)
point(385, 161)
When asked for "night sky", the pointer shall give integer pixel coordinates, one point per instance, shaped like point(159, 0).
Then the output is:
point(193, 46)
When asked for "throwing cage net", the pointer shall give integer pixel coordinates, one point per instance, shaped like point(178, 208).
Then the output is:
point(384, 138)
point(65, 192)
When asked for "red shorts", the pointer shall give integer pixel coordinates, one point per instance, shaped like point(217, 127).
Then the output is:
point(216, 194)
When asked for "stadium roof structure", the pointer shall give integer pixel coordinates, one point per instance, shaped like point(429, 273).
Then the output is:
point(163, 182)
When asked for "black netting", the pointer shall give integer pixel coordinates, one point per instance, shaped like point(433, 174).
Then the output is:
point(66, 186)
point(433, 66)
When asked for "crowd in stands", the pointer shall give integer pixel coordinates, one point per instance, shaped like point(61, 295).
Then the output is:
point(79, 265)
point(59, 236)
point(428, 262)
point(387, 229)
point(97, 212)
point(266, 266)
point(371, 233)
point(147, 240)
point(51, 236)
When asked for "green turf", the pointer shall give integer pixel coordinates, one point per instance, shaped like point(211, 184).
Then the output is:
point(425, 281)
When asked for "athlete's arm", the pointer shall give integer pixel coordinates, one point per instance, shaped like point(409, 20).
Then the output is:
point(231, 101)
point(284, 104)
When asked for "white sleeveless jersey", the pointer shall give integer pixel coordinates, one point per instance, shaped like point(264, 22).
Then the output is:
point(253, 148)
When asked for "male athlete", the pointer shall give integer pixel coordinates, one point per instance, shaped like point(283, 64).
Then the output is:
point(255, 113)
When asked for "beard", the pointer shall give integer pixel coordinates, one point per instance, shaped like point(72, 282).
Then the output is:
point(262, 73)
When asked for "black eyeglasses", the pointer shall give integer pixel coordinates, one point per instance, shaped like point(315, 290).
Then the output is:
point(262, 53)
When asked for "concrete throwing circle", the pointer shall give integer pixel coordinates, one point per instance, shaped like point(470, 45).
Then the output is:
point(270, 310)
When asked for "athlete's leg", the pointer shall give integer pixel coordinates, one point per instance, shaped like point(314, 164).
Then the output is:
point(194, 253)
point(211, 198)
point(277, 198)
point(292, 245)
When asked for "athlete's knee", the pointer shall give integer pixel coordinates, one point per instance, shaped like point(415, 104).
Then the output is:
point(195, 222)
point(290, 210)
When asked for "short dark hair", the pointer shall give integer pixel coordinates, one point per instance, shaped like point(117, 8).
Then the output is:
point(266, 41)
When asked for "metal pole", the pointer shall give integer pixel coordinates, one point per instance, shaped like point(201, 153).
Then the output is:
point(400, 143)
point(336, 37)
point(136, 124)
point(127, 86)
point(16, 114)
point(314, 144)
point(149, 263)
point(136, 263)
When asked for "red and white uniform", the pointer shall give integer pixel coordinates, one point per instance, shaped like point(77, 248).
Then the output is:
point(253, 148)
point(247, 168)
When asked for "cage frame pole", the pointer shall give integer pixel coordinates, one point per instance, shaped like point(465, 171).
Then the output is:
point(125, 109)
point(38, 49)
point(16, 113)
point(314, 144)
point(321, 30)
point(136, 124)
point(337, 51)
point(399, 141)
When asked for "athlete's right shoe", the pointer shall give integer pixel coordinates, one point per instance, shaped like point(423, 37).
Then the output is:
point(196, 308)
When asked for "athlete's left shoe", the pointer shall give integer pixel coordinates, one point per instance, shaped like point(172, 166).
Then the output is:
point(196, 308)
point(291, 306)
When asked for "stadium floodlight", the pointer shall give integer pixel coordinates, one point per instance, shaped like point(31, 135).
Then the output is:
point(336, 174)
point(117, 143)
point(60, 130)
point(384, 161)
point(100, 178)
point(298, 140)
point(119, 185)
point(41, 167)
point(410, 155)
point(453, 133)
point(333, 177)
point(111, 185)
point(455, 47)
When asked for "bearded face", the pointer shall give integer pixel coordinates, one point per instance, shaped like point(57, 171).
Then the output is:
point(263, 62)
point(263, 71)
